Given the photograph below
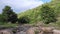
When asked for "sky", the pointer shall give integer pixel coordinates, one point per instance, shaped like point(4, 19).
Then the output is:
point(21, 5)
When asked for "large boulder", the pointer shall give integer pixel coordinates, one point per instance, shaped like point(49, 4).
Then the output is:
point(5, 32)
point(33, 30)
point(47, 30)
point(56, 31)
point(30, 31)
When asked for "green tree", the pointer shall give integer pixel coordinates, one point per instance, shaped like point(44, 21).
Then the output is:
point(1, 18)
point(23, 20)
point(47, 14)
point(9, 15)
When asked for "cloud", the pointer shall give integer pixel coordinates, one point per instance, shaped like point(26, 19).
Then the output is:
point(20, 5)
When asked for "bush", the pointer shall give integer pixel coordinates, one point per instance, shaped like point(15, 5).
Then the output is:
point(48, 14)
point(9, 15)
point(23, 20)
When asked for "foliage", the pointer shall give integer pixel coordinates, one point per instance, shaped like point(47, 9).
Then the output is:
point(1, 18)
point(56, 4)
point(9, 15)
point(47, 14)
point(35, 13)
point(32, 14)
point(23, 19)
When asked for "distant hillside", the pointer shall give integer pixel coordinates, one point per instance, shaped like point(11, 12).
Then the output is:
point(34, 14)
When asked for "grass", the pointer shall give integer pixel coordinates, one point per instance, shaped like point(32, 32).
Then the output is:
point(8, 25)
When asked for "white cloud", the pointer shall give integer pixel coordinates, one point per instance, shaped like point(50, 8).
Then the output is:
point(21, 4)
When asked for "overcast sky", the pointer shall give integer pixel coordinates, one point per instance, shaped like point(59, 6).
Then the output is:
point(21, 5)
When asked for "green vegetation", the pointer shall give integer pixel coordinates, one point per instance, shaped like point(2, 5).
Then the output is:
point(7, 25)
point(1, 18)
point(23, 20)
point(56, 5)
point(35, 14)
point(48, 14)
point(9, 15)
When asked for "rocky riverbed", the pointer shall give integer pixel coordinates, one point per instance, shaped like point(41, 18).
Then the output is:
point(29, 29)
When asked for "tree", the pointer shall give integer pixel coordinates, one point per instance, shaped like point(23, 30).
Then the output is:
point(9, 15)
point(23, 20)
point(1, 18)
point(47, 14)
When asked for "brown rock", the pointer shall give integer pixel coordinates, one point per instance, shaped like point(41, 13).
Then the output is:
point(5, 32)
point(56, 31)
point(30, 31)
point(21, 32)
point(40, 33)
point(33, 30)
point(47, 30)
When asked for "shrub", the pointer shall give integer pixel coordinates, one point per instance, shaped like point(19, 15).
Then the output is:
point(23, 20)
point(47, 14)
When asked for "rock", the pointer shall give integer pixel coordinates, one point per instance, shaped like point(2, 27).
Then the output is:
point(56, 31)
point(47, 30)
point(30, 31)
point(21, 32)
point(33, 30)
point(23, 27)
point(5, 32)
